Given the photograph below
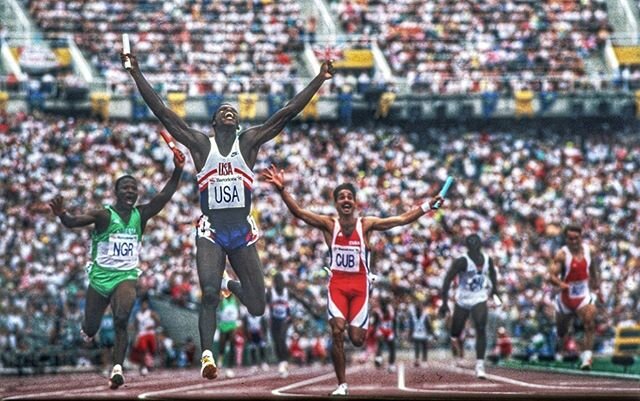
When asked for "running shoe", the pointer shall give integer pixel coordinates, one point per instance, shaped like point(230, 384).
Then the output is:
point(342, 389)
point(117, 377)
point(209, 369)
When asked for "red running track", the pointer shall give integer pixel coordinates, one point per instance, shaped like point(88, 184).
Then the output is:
point(438, 380)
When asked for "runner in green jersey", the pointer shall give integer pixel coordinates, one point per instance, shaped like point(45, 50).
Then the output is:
point(115, 246)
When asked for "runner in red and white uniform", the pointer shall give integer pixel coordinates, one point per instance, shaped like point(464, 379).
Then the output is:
point(348, 238)
point(577, 275)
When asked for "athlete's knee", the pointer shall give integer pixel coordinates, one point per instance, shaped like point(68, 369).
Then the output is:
point(357, 336)
point(90, 329)
point(357, 341)
point(120, 320)
point(210, 296)
point(337, 329)
point(256, 307)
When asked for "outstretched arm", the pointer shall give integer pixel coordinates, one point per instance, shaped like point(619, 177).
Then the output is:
point(174, 124)
point(381, 224)
point(260, 134)
point(98, 217)
point(276, 177)
point(157, 203)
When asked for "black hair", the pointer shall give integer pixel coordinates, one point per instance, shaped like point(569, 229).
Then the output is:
point(123, 178)
point(572, 227)
point(348, 186)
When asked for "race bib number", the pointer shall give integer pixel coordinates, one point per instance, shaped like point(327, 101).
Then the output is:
point(476, 283)
point(346, 259)
point(123, 247)
point(280, 311)
point(226, 192)
point(578, 289)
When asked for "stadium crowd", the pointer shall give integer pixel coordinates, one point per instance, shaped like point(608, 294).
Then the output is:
point(515, 188)
point(441, 47)
point(187, 46)
point(464, 46)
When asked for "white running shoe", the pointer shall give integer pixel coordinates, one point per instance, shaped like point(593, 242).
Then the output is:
point(377, 361)
point(283, 369)
point(480, 374)
point(117, 377)
point(585, 360)
point(391, 368)
point(342, 389)
point(209, 369)
point(144, 371)
point(224, 286)
point(265, 367)
point(229, 374)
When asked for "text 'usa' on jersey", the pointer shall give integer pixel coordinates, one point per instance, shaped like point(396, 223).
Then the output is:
point(225, 184)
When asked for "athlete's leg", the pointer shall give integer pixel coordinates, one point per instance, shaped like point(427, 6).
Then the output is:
point(122, 300)
point(279, 335)
point(338, 326)
point(250, 289)
point(210, 260)
point(357, 335)
point(391, 344)
point(223, 339)
point(588, 316)
point(562, 329)
point(458, 320)
point(479, 315)
point(95, 305)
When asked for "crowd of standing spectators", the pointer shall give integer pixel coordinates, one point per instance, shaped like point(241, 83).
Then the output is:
point(516, 188)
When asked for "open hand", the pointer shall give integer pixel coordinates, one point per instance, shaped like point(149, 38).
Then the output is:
point(57, 205)
point(274, 176)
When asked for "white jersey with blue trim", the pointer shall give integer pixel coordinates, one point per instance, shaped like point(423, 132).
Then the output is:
point(474, 285)
point(279, 305)
point(225, 184)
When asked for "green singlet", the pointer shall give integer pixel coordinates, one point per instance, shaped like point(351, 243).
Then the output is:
point(115, 253)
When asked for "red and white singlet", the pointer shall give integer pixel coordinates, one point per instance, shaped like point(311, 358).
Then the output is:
point(576, 275)
point(349, 286)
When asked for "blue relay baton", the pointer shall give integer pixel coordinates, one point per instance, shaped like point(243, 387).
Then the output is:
point(443, 191)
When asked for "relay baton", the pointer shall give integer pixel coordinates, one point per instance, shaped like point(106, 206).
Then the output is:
point(126, 49)
point(172, 145)
point(443, 191)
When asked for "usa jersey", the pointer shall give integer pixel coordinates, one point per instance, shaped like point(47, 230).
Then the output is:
point(225, 184)
point(349, 255)
point(473, 285)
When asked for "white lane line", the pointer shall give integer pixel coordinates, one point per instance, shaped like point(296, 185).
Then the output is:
point(48, 394)
point(402, 385)
point(281, 390)
point(201, 386)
